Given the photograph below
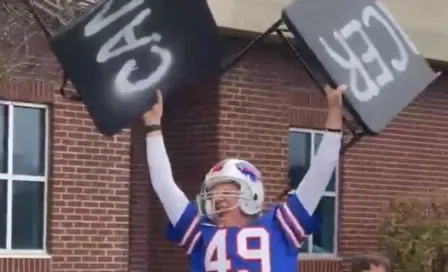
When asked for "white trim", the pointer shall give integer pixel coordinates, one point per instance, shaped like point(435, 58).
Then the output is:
point(336, 208)
point(309, 254)
point(47, 174)
point(24, 104)
point(23, 178)
point(312, 153)
point(10, 178)
point(307, 130)
point(10, 137)
point(24, 254)
point(332, 194)
point(319, 256)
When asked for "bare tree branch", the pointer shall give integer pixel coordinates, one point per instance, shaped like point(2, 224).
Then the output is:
point(18, 26)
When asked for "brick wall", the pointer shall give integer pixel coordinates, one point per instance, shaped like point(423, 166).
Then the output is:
point(190, 131)
point(90, 194)
point(100, 220)
point(408, 158)
point(258, 101)
point(261, 99)
point(248, 118)
point(88, 198)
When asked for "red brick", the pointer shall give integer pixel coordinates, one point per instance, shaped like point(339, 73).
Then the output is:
point(105, 216)
point(88, 188)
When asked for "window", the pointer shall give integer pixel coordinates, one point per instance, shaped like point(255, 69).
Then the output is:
point(23, 176)
point(302, 145)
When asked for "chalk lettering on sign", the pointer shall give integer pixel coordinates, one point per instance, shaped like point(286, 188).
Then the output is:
point(127, 33)
point(124, 85)
point(397, 27)
point(399, 64)
point(356, 65)
point(371, 55)
point(110, 48)
point(100, 21)
point(353, 63)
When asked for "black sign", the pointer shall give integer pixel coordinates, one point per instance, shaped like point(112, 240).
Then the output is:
point(358, 43)
point(121, 52)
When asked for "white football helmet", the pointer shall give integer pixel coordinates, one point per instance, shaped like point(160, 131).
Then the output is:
point(242, 173)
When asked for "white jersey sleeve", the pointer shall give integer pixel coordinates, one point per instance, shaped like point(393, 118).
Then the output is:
point(173, 199)
point(296, 214)
point(313, 185)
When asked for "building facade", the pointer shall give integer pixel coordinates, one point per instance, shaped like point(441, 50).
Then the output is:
point(72, 200)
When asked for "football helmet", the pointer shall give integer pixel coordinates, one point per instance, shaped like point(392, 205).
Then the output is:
point(245, 175)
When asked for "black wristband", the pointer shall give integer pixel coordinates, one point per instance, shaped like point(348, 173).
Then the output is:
point(334, 130)
point(152, 128)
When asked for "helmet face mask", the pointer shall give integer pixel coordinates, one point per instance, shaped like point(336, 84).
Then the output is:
point(208, 199)
point(249, 194)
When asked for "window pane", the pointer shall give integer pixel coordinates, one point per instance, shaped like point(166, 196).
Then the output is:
point(299, 155)
point(29, 141)
point(323, 238)
point(317, 140)
point(3, 138)
point(304, 248)
point(3, 203)
point(27, 215)
point(331, 185)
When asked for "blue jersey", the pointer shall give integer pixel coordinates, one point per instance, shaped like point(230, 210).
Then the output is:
point(269, 244)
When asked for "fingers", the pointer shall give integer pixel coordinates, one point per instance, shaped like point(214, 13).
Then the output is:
point(327, 88)
point(159, 97)
point(341, 88)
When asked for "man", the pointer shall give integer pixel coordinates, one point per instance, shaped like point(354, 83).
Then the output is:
point(226, 230)
point(372, 262)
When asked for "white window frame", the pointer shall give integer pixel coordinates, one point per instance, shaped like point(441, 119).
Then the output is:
point(10, 177)
point(335, 194)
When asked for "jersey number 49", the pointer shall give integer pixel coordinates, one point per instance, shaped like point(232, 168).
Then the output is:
point(216, 254)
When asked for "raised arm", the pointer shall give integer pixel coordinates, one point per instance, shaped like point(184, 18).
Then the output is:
point(295, 215)
point(173, 199)
point(313, 185)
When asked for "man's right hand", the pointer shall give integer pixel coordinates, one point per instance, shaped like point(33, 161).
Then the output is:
point(154, 115)
point(335, 107)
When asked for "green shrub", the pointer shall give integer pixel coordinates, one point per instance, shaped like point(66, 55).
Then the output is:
point(414, 233)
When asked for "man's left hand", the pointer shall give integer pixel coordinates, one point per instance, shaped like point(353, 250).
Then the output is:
point(334, 96)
